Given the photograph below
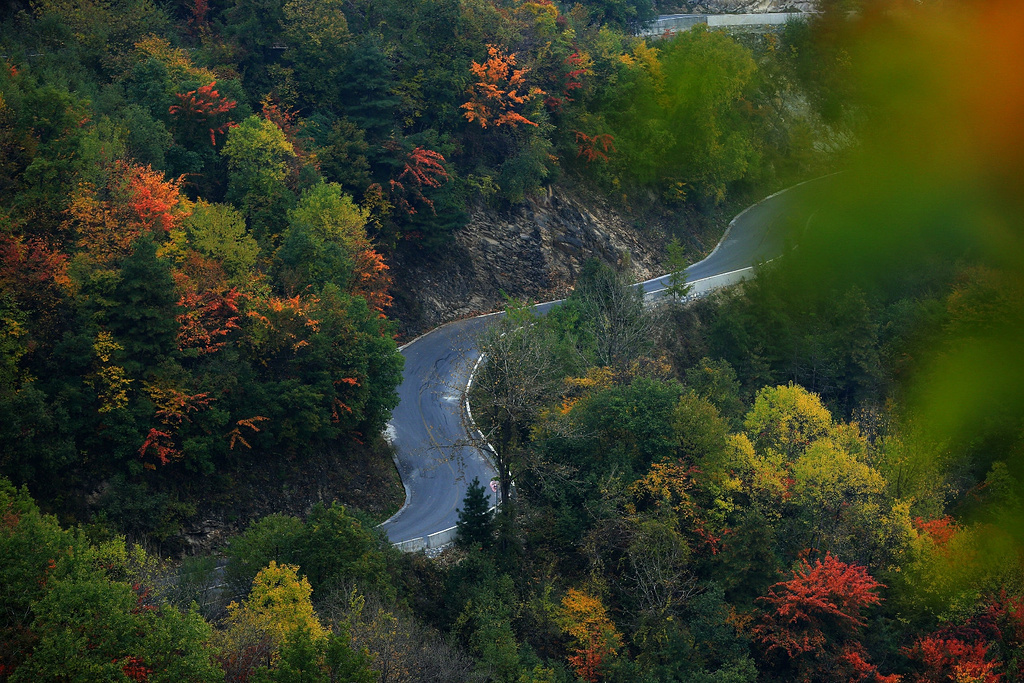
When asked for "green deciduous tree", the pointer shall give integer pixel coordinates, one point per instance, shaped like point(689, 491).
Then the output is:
point(107, 630)
point(70, 607)
point(329, 547)
point(700, 429)
point(319, 40)
point(258, 155)
point(325, 238)
point(715, 380)
point(218, 231)
point(274, 537)
point(338, 548)
point(706, 73)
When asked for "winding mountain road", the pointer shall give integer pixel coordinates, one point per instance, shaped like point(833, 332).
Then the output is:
point(428, 428)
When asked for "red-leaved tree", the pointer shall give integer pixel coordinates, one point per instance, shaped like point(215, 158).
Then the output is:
point(203, 109)
point(811, 622)
point(984, 649)
point(423, 168)
point(952, 659)
point(941, 530)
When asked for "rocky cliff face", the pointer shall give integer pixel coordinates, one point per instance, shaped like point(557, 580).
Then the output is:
point(745, 6)
point(532, 251)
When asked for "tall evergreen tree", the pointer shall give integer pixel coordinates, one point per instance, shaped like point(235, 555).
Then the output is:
point(144, 318)
point(476, 525)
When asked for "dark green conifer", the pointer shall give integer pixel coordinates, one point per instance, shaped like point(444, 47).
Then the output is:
point(143, 318)
point(476, 524)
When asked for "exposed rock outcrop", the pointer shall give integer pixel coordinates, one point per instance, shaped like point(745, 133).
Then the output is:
point(532, 251)
point(746, 6)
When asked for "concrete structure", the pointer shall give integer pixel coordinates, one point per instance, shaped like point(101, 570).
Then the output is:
point(674, 23)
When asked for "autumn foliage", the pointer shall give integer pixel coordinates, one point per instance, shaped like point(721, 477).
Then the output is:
point(500, 92)
point(32, 270)
point(153, 199)
point(209, 313)
point(576, 65)
point(594, 148)
point(670, 486)
point(594, 637)
point(203, 108)
point(134, 201)
point(174, 407)
point(985, 648)
point(811, 620)
point(422, 168)
point(940, 530)
point(953, 659)
point(373, 280)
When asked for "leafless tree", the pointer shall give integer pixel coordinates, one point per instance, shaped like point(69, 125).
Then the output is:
point(614, 314)
point(403, 649)
point(518, 377)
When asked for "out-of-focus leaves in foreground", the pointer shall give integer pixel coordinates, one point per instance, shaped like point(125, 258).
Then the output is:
point(938, 183)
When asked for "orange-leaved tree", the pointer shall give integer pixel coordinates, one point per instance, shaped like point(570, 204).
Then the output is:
point(500, 93)
point(596, 147)
point(209, 306)
point(594, 637)
point(36, 275)
point(373, 280)
point(133, 201)
point(174, 407)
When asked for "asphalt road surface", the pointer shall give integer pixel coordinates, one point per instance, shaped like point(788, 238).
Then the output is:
point(436, 459)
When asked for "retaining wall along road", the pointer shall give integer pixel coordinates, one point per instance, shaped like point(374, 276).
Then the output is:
point(674, 23)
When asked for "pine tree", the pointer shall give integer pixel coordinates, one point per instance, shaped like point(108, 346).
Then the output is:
point(476, 524)
point(143, 318)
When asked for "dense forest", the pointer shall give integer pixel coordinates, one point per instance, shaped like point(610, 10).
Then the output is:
point(815, 476)
point(201, 202)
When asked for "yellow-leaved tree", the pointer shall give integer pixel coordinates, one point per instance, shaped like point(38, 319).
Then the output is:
point(594, 637)
point(278, 606)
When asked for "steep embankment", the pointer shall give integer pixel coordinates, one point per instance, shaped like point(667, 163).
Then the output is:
point(534, 250)
point(743, 6)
